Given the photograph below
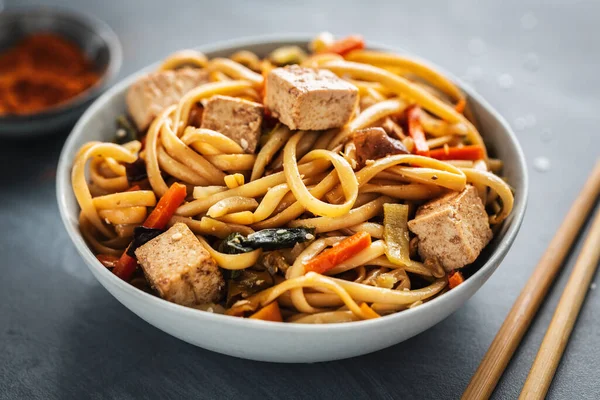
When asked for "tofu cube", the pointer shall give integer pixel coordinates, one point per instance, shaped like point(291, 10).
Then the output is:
point(453, 228)
point(309, 99)
point(179, 268)
point(151, 94)
point(238, 119)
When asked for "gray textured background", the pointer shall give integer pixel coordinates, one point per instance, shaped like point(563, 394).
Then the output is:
point(62, 336)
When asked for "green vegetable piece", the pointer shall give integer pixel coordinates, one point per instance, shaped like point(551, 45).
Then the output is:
point(246, 284)
point(234, 273)
point(287, 55)
point(267, 239)
point(235, 243)
point(126, 132)
point(280, 238)
point(274, 262)
point(395, 233)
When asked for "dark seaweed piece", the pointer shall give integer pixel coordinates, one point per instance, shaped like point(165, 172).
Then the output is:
point(230, 273)
point(279, 238)
point(141, 236)
point(274, 262)
point(246, 283)
point(235, 243)
point(126, 131)
point(136, 171)
point(267, 239)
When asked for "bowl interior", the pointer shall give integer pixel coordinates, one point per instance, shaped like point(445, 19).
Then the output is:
point(98, 124)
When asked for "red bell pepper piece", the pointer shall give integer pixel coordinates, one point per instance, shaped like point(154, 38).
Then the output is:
point(472, 152)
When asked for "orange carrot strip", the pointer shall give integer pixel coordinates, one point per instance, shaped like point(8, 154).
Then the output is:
point(164, 210)
point(415, 130)
point(455, 279)
point(158, 219)
point(473, 152)
point(270, 312)
point(346, 45)
point(339, 253)
point(369, 312)
point(134, 188)
point(460, 106)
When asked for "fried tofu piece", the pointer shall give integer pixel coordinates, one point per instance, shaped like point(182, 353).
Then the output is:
point(453, 228)
point(180, 269)
point(309, 99)
point(374, 143)
point(151, 94)
point(238, 119)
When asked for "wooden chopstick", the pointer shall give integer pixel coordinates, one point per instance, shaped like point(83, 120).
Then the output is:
point(515, 325)
point(560, 328)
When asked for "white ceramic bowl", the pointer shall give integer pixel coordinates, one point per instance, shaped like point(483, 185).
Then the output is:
point(280, 342)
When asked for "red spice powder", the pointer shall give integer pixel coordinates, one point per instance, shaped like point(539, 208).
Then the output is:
point(42, 71)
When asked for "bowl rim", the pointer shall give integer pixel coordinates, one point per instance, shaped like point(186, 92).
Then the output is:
point(63, 186)
point(101, 29)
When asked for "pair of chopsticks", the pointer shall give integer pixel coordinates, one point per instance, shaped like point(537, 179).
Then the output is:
point(519, 318)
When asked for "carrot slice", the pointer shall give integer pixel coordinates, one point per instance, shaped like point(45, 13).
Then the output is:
point(346, 45)
point(455, 279)
point(166, 207)
point(460, 106)
point(339, 253)
point(270, 312)
point(158, 219)
point(472, 152)
point(369, 312)
point(415, 130)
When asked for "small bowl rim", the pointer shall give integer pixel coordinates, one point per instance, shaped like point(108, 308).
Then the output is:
point(495, 258)
point(100, 28)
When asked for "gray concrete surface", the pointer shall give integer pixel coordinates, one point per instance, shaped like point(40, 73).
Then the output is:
point(62, 336)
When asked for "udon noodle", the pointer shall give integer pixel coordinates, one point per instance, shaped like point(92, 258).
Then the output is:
point(297, 178)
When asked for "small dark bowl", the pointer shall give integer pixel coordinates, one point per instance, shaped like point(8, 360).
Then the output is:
point(94, 37)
